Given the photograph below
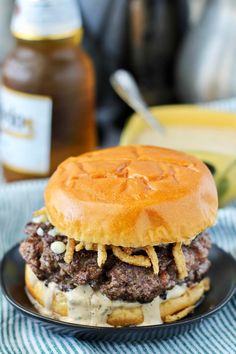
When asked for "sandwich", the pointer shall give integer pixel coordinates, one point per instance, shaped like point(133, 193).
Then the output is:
point(122, 239)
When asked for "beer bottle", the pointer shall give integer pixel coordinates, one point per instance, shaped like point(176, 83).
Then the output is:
point(47, 94)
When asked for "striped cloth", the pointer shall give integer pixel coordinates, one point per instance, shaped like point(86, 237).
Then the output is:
point(21, 335)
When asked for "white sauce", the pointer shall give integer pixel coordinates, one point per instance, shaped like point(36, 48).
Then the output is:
point(40, 232)
point(58, 247)
point(177, 291)
point(53, 232)
point(40, 218)
point(90, 307)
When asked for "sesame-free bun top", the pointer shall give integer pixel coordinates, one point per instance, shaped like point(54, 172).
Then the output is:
point(132, 196)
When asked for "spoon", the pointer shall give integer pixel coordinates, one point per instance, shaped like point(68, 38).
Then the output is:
point(125, 86)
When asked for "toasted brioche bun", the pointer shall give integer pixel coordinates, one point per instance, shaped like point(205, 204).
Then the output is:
point(132, 196)
point(170, 310)
point(37, 289)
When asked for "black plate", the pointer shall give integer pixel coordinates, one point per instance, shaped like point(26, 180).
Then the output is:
point(223, 281)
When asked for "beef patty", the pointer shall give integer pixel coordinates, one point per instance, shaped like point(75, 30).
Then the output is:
point(116, 279)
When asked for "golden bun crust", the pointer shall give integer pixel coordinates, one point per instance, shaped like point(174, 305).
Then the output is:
point(132, 196)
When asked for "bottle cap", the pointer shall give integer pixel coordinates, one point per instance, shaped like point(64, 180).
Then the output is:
point(46, 19)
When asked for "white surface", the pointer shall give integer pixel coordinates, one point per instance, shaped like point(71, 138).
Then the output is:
point(26, 131)
point(46, 18)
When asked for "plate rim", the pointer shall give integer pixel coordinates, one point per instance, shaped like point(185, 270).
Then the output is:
point(76, 326)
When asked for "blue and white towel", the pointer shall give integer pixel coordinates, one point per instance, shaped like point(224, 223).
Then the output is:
point(21, 335)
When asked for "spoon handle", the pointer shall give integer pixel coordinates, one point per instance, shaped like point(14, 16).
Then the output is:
point(125, 86)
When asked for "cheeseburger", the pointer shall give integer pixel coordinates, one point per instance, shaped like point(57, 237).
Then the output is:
point(122, 238)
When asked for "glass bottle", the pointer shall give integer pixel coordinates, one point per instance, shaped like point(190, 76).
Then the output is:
point(47, 97)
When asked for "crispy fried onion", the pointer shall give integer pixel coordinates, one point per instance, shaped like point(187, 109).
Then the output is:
point(40, 216)
point(88, 246)
point(101, 250)
point(177, 316)
point(79, 246)
point(129, 250)
point(138, 260)
point(102, 255)
point(176, 308)
point(124, 255)
point(40, 212)
point(70, 248)
point(153, 258)
point(141, 261)
point(180, 260)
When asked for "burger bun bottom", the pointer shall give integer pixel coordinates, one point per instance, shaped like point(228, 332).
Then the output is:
point(56, 305)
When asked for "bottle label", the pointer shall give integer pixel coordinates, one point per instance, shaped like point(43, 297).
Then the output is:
point(25, 132)
point(39, 19)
